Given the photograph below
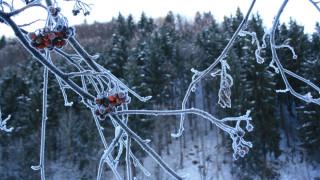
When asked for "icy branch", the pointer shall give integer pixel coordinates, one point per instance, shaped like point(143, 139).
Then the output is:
point(276, 64)
point(255, 39)
point(225, 86)
point(41, 165)
point(199, 75)
point(236, 133)
point(16, 12)
point(3, 123)
point(146, 147)
point(294, 55)
point(316, 4)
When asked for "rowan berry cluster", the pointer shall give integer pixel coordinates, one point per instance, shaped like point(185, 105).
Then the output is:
point(50, 39)
point(108, 103)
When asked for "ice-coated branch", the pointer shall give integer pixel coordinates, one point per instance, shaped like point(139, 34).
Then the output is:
point(226, 82)
point(143, 144)
point(30, 23)
point(128, 158)
point(236, 133)
point(80, 6)
point(98, 68)
point(316, 4)
point(106, 157)
point(276, 64)
point(44, 118)
point(137, 163)
point(294, 55)
point(39, 57)
point(199, 75)
point(3, 123)
point(18, 11)
point(255, 39)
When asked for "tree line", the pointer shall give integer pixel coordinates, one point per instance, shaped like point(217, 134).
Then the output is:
point(154, 57)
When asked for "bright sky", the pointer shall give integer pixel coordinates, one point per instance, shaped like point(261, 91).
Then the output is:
point(103, 10)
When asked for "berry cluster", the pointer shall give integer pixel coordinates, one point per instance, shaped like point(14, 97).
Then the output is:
point(54, 11)
point(46, 38)
point(75, 12)
point(241, 151)
point(109, 103)
point(80, 6)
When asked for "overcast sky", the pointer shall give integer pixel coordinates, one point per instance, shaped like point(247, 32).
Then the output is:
point(104, 10)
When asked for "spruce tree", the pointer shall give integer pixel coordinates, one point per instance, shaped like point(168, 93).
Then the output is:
point(309, 125)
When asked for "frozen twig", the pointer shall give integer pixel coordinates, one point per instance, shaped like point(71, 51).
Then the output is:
point(226, 82)
point(285, 45)
point(316, 4)
point(128, 158)
point(276, 64)
point(199, 75)
point(236, 133)
point(41, 165)
point(3, 123)
point(146, 147)
point(255, 39)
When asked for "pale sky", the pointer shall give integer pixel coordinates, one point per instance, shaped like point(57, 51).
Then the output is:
point(104, 10)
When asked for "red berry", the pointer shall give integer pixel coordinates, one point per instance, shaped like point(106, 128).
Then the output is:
point(32, 36)
point(59, 34)
point(112, 99)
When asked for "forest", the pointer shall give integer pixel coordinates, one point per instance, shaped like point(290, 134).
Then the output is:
point(154, 57)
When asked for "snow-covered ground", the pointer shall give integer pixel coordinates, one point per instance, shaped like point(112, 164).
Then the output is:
point(206, 158)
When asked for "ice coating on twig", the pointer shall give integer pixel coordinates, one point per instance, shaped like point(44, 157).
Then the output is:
point(276, 64)
point(3, 123)
point(316, 4)
point(199, 75)
point(255, 39)
point(226, 83)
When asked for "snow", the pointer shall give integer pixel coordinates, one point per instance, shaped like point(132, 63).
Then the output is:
point(217, 162)
point(293, 164)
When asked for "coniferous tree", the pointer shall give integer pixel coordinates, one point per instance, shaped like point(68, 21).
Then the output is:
point(309, 125)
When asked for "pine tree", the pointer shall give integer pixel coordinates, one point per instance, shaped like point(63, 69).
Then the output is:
point(309, 125)
point(118, 55)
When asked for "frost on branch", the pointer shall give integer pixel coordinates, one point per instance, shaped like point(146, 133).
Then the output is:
point(225, 86)
point(3, 123)
point(316, 4)
point(275, 62)
point(255, 39)
point(285, 73)
point(239, 145)
point(80, 6)
point(226, 80)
